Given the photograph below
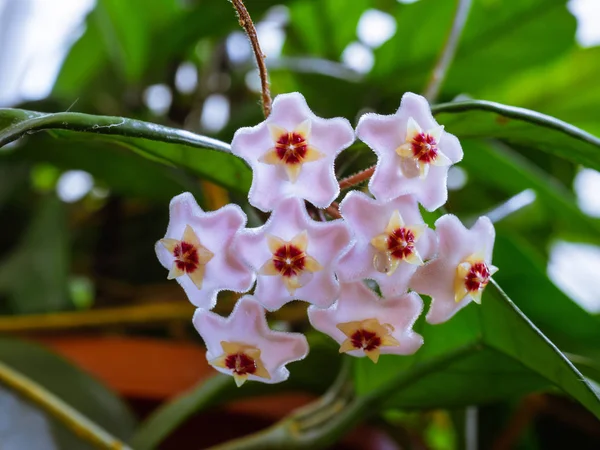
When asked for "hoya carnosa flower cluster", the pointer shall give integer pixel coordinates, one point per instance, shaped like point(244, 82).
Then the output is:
point(380, 237)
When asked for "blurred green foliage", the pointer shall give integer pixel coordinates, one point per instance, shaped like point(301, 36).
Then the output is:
point(519, 53)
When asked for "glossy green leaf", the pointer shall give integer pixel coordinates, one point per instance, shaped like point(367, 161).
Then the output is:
point(521, 127)
point(317, 29)
point(203, 156)
point(558, 90)
point(500, 168)
point(560, 318)
point(135, 43)
point(72, 385)
point(486, 353)
point(118, 34)
point(500, 40)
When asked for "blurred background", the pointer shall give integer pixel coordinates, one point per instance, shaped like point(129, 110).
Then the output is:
point(80, 217)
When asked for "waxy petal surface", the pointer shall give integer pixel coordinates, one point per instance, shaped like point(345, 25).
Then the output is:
point(247, 325)
point(456, 244)
point(315, 181)
point(326, 242)
point(215, 230)
point(384, 134)
point(357, 302)
point(368, 218)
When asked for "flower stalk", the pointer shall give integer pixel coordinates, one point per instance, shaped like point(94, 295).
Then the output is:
point(248, 26)
point(357, 178)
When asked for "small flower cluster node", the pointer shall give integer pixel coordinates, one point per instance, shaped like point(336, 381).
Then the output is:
point(381, 237)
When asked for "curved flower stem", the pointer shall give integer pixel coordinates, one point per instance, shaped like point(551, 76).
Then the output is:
point(341, 390)
point(443, 64)
point(55, 407)
point(248, 26)
point(334, 210)
point(357, 178)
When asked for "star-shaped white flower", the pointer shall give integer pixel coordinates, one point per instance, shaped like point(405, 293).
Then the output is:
point(294, 256)
point(292, 154)
point(196, 250)
point(414, 152)
point(462, 269)
point(365, 325)
point(390, 241)
point(243, 345)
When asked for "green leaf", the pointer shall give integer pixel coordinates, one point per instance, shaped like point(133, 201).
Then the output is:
point(502, 39)
point(159, 143)
point(135, 43)
point(559, 317)
point(485, 353)
point(558, 90)
point(317, 30)
point(411, 64)
point(313, 374)
point(499, 41)
point(34, 276)
point(72, 385)
point(521, 127)
point(118, 34)
point(500, 168)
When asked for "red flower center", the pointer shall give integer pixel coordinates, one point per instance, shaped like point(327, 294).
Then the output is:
point(366, 340)
point(240, 364)
point(289, 260)
point(291, 148)
point(401, 243)
point(424, 148)
point(478, 277)
point(186, 256)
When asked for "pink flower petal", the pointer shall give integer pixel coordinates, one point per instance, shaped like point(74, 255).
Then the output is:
point(368, 218)
point(247, 325)
point(357, 302)
point(456, 243)
point(216, 230)
point(316, 181)
point(326, 242)
point(384, 134)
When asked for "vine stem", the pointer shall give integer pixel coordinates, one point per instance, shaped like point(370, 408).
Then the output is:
point(248, 26)
point(443, 64)
point(55, 407)
point(334, 210)
point(357, 178)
